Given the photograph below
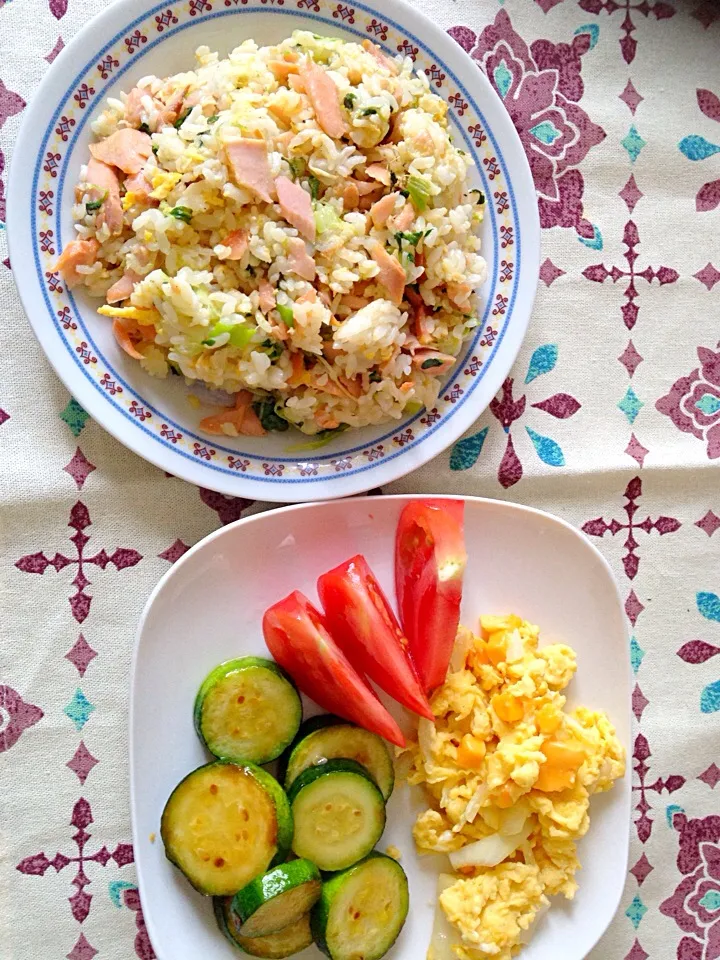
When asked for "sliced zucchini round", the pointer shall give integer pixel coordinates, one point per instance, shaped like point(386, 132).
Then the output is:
point(338, 812)
point(277, 899)
point(224, 824)
point(362, 910)
point(284, 943)
point(247, 710)
point(329, 738)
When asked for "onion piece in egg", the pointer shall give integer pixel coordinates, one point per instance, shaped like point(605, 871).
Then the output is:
point(444, 935)
point(490, 851)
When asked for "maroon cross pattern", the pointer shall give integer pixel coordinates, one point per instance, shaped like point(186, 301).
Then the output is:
point(16, 716)
point(38, 864)
point(143, 947)
point(227, 508)
point(165, 19)
point(121, 558)
point(172, 435)
point(642, 753)
point(599, 273)
point(628, 43)
point(235, 463)
point(663, 525)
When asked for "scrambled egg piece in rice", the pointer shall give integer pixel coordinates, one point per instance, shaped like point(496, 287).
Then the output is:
point(509, 773)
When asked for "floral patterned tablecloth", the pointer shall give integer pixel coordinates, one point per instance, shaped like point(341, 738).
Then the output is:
point(610, 418)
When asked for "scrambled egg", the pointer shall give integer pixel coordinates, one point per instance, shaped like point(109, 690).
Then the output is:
point(509, 774)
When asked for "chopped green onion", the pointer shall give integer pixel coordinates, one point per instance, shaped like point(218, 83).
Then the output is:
point(481, 196)
point(430, 362)
point(214, 118)
point(240, 334)
point(314, 187)
point(374, 377)
point(286, 314)
point(144, 128)
point(326, 218)
point(419, 190)
point(155, 149)
point(250, 269)
point(94, 205)
point(181, 213)
point(349, 100)
point(267, 412)
point(404, 193)
point(413, 407)
point(298, 166)
point(393, 179)
point(274, 350)
point(368, 112)
point(182, 118)
point(321, 439)
point(412, 238)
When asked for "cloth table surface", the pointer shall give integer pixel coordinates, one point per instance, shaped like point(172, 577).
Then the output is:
point(610, 418)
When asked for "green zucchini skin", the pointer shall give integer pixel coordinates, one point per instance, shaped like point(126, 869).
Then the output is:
point(332, 911)
point(350, 835)
point(277, 899)
point(249, 787)
point(326, 738)
point(285, 943)
point(247, 731)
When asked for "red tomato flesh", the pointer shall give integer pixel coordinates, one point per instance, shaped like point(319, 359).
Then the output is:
point(297, 636)
point(430, 561)
point(365, 628)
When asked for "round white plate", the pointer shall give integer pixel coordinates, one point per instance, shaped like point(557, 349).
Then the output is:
point(129, 40)
point(208, 609)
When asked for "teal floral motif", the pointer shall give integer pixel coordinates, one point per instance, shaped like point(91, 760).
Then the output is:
point(116, 888)
point(548, 451)
point(503, 78)
point(708, 404)
point(710, 698)
point(542, 361)
point(592, 30)
point(507, 410)
point(699, 651)
point(637, 654)
point(709, 605)
point(633, 143)
point(79, 709)
point(636, 911)
point(711, 900)
point(595, 242)
point(466, 451)
point(695, 147)
point(546, 132)
point(75, 417)
point(631, 405)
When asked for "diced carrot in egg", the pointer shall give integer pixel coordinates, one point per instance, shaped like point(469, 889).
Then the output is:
point(471, 752)
point(508, 708)
point(496, 648)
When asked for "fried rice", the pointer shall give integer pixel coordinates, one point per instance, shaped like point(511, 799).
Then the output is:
point(290, 225)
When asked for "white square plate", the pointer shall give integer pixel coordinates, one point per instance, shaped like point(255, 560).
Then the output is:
point(208, 608)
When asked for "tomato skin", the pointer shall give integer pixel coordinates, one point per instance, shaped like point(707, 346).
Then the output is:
point(297, 636)
point(430, 561)
point(365, 628)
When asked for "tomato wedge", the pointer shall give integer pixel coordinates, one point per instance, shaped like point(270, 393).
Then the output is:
point(297, 636)
point(367, 631)
point(430, 561)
